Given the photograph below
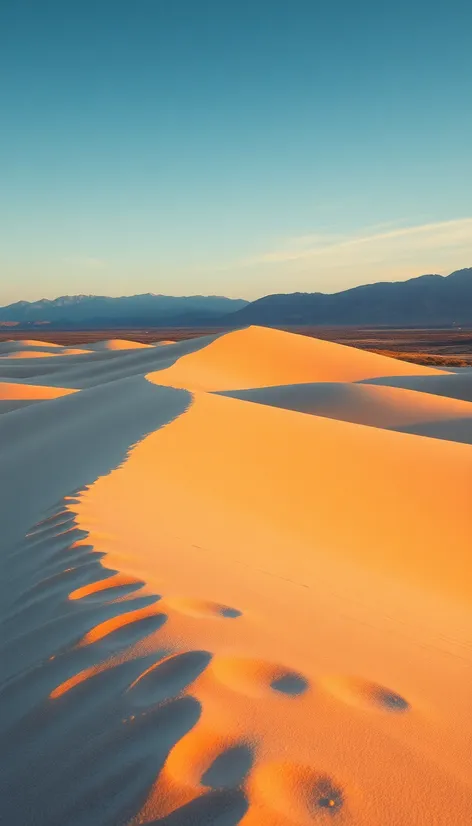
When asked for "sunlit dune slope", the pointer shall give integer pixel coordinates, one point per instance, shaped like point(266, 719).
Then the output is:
point(310, 479)
point(11, 391)
point(13, 345)
point(345, 559)
point(15, 396)
point(261, 357)
point(116, 344)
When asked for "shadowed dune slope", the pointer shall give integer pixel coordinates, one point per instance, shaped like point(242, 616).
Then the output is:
point(49, 449)
point(377, 406)
point(99, 367)
point(456, 385)
point(261, 357)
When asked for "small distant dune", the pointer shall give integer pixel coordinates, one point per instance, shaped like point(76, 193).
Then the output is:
point(26, 343)
point(35, 354)
point(115, 344)
point(14, 396)
point(23, 349)
point(9, 390)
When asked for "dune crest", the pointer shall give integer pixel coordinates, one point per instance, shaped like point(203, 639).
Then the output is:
point(116, 344)
point(261, 357)
point(26, 344)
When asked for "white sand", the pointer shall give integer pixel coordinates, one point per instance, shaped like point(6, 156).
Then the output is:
point(252, 609)
point(378, 406)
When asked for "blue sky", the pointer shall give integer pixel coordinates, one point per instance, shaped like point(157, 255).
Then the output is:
point(232, 148)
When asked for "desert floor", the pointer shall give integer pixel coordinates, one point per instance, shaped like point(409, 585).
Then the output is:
point(235, 584)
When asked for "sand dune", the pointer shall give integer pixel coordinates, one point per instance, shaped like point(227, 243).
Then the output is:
point(115, 344)
point(100, 367)
point(36, 353)
point(224, 610)
point(16, 395)
point(14, 345)
point(456, 385)
point(376, 406)
point(258, 357)
point(17, 391)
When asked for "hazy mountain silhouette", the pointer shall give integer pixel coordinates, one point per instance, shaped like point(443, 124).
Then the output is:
point(92, 311)
point(430, 300)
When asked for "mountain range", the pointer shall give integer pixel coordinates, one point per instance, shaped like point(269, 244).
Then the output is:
point(96, 311)
point(429, 300)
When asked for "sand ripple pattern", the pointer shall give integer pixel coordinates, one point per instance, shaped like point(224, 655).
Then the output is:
point(91, 687)
point(77, 693)
point(81, 692)
point(88, 688)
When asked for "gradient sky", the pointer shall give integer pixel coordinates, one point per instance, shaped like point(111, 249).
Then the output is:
point(238, 148)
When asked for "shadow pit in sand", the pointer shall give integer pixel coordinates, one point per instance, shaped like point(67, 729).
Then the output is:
point(168, 678)
point(230, 768)
point(292, 684)
point(230, 613)
point(327, 797)
point(365, 694)
point(220, 808)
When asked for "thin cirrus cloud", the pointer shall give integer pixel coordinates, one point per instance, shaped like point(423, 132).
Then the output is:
point(399, 244)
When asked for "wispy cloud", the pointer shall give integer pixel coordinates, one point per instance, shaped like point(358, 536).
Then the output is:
point(370, 246)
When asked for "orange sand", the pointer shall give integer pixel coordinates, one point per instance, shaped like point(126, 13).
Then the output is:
point(11, 391)
point(299, 633)
point(117, 344)
point(261, 358)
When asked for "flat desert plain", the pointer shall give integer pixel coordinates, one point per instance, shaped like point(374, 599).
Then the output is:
point(236, 585)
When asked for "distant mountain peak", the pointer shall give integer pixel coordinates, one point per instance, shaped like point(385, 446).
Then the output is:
point(147, 309)
point(463, 274)
point(426, 300)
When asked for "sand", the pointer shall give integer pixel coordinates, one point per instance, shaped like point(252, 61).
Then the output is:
point(115, 344)
point(247, 359)
point(233, 590)
point(16, 395)
point(378, 406)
